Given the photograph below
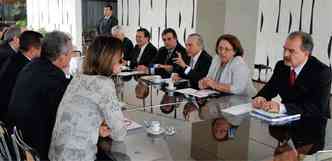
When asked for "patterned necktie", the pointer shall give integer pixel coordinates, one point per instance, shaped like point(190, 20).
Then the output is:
point(192, 63)
point(169, 55)
point(292, 78)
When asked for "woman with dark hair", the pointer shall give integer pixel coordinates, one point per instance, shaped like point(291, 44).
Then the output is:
point(89, 105)
point(228, 72)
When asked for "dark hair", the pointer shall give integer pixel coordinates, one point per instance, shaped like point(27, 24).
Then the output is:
point(109, 6)
point(307, 42)
point(170, 30)
point(98, 60)
point(30, 39)
point(55, 44)
point(145, 31)
point(234, 41)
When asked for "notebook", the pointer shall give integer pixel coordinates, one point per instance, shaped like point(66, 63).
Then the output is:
point(274, 118)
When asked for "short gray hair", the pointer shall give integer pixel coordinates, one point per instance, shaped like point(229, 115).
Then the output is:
point(11, 33)
point(307, 42)
point(199, 39)
point(55, 44)
point(119, 29)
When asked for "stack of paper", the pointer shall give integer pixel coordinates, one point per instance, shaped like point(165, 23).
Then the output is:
point(274, 118)
point(197, 93)
point(239, 109)
point(130, 73)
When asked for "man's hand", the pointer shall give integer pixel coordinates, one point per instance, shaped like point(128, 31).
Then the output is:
point(271, 106)
point(176, 77)
point(143, 68)
point(168, 68)
point(258, 102)
point(179, 61)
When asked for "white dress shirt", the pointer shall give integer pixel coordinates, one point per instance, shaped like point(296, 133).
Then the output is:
point(141, 52)
point(193, 62)
point(298, 69)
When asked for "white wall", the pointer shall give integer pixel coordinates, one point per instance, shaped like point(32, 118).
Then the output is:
point(63, 15)
point(241, 21)
point(151, 14)
point(270, 42)
point(210, 22)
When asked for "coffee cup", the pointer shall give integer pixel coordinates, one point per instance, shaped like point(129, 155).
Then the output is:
point(155, 126)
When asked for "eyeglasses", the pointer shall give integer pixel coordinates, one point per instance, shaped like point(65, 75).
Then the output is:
point(225, 49)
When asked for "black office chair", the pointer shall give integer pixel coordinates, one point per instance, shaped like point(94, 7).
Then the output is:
point(5, 146)
point(22, 150)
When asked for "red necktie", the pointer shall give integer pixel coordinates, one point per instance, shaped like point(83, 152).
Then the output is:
point(292, 78)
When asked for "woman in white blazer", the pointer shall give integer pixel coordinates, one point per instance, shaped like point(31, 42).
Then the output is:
point(228, 72)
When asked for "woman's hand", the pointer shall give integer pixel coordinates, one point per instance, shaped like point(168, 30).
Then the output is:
point(211, 84)
point(202, 83)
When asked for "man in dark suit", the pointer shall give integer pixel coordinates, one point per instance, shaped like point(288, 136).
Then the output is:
point(144, 51)
point(304, 84)
point(30, 46)
point(163, 63)
point(199, 64)
point(11, 44)
point(119, 32)
point(38, 91)
point(106, 23)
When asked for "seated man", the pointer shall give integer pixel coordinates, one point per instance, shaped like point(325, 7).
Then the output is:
point(200, 61)
point(163, 63)
point(10, 45)
point(119, 32)
point(30, 46)
point(144, 51)
point(38, 91)
point(304, 87)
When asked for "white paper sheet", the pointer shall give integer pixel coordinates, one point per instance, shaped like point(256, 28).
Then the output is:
point(196, 93)
point(239, 109)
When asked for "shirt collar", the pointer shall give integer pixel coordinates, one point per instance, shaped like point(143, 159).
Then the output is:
point(299, 68)
point(107, 17)
point(26, 57)
point(13, 48)
point(195, 58)
point(144, 46)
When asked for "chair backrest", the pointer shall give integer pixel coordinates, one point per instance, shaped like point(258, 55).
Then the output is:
point(5, 145)
point(325, 155)
point(23, 150)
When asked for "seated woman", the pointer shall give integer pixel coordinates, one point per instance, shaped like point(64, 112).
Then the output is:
point(228, 72)
point(89, 100)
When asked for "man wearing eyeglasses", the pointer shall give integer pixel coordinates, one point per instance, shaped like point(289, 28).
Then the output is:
point(200, 61)
point(163, 64)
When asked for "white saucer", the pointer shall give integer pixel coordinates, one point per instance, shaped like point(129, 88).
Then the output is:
point(161, 130)
point(171, 89)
